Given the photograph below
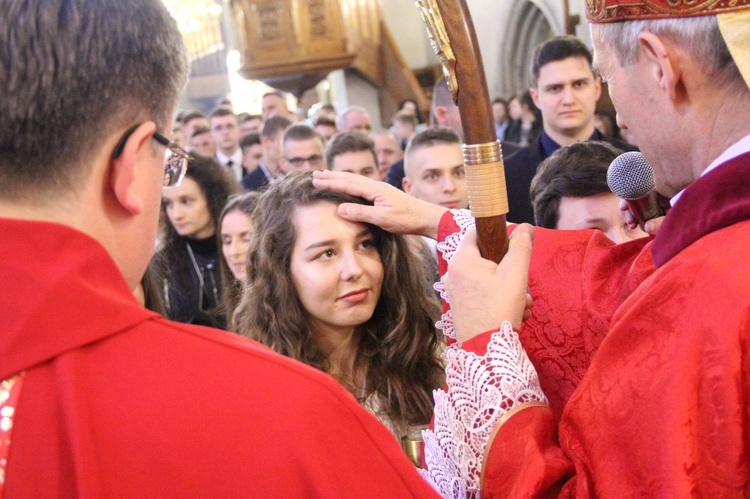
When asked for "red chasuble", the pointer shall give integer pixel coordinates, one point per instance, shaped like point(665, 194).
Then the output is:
point(663, 409)
point(577, 280)
point(118, 402)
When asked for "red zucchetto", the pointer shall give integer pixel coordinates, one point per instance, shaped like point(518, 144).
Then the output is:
point(607, 11)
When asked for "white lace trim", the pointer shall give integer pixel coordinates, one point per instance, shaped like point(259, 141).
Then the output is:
point(446, 325)
point(448, 248)
point(465, 221)
point(480, 391)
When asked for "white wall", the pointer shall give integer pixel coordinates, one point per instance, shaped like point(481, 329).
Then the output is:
point(405, 24)
point(490, 22)
point(349, 89)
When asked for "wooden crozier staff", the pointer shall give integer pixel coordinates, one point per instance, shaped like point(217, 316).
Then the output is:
point(453, 38)
point(452, 35)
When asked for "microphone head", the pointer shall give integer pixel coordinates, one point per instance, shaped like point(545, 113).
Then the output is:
point(630, 176)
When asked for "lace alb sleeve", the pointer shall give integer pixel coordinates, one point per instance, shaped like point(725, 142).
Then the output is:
point(480, 390)
point(447, 249)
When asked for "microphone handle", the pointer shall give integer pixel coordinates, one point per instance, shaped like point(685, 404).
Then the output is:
point(645, 208)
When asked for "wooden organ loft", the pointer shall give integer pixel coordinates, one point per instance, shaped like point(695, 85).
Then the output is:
point(293, 44)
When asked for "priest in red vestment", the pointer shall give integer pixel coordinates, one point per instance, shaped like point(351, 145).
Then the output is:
point(662, 410)
point(659, 407)
point(100, 397)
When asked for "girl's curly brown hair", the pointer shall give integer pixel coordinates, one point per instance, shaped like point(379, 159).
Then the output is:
point(399, 345)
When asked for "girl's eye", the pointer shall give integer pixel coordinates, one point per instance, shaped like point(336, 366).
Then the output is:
point(326, 254)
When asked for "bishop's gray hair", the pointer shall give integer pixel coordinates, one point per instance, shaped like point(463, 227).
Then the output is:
point(699, 36)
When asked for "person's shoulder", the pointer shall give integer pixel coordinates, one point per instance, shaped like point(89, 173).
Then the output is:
point(236, 363)
point(226, 355)
point(228, 397)
point(620, 144)
point(395, 174)
point(215, 344)
point(510, 148)
point(254, 180)
point(529, 154)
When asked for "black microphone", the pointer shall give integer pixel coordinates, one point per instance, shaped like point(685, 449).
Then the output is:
point(631, 178)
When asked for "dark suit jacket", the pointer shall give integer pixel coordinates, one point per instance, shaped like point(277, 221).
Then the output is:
point(520, 169)
point(396, 174)
point(255, 181)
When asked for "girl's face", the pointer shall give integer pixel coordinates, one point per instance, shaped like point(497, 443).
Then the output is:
point(188, 211)
point(336, 268)
point(235, 233)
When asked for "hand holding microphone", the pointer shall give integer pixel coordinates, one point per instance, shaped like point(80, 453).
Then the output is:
point(631, 178)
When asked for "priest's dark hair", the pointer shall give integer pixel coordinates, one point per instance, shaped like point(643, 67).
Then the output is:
point(73, 73)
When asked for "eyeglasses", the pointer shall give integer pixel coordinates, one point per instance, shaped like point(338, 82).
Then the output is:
point(176, 161)
point(314, 160)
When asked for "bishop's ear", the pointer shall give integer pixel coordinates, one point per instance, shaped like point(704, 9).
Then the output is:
point(661, 63)
point(129, 164)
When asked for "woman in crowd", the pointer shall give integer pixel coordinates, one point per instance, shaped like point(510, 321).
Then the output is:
point(189, 259)
point(148, 292)
point(235, 231)
point(411, 107)
point(347, 298)
point(527, 124)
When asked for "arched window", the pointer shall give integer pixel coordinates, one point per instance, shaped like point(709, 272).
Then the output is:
point(527, 27)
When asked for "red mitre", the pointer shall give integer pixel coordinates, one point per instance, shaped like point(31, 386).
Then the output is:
point(608, 11)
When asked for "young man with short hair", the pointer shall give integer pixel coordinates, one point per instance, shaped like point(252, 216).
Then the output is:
point(352, 152)
point(325, 126)
point(269, 167)
point(225, 130)
point(566, 90)
point(192, 120)
point(252, 152)
point(250, 123)
point(434, 168)
point(202, 143)
point(404, 126)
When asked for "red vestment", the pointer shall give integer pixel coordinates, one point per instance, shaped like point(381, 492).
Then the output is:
point(663, 409)
point(119, 402)
point(577, 280)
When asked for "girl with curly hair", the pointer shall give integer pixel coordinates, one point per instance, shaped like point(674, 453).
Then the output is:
point(188, 262)
point(235, 233)
point(347, 298)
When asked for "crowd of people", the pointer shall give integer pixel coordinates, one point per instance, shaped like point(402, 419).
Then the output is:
point(259, 314)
